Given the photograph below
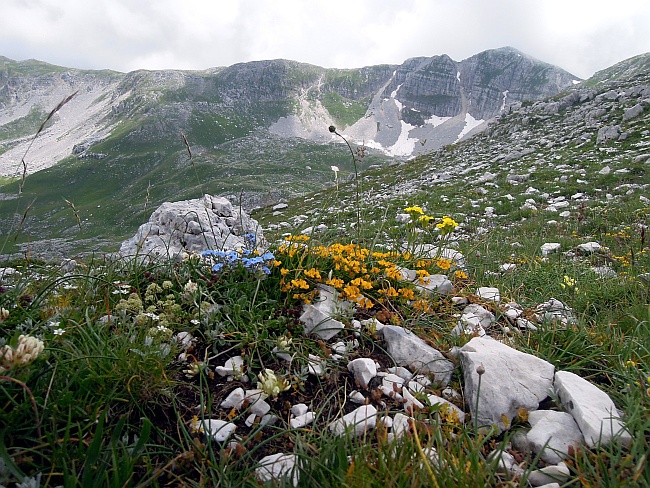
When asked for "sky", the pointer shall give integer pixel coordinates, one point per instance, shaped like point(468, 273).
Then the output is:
point(581, 36)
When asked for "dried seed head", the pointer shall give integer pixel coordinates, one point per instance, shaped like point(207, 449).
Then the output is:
point(480, 369)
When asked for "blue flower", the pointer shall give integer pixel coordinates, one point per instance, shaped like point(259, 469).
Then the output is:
point(268, 256)
point(217, 267)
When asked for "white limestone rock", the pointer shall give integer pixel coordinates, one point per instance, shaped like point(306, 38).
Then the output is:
point(318, 317)
point(474, 320)
point(550, 247)
point(437, 283)
point(554, 311)
point(277, 467)
point(555, 430)
point(192, 226)
point(408, 350)
point(593, 410)
point(358, 421)
point(363, 369)
point(489, 293)
point(511, 379)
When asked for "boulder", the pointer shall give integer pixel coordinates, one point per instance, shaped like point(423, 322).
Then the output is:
point(194, 226)
point(510, 380)
point(408, 350)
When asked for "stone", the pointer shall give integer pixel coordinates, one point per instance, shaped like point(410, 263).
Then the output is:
point(549, 474)
point(192, 226)
point(219, 430)
point(511, 380)
point(633, 112)
point(608, 133)
point(357, 422)
point(364, 369)
point(302, 420)
point(555, 312)
point(474, 320)
point(593, 410)
point(276, 467)
point(550, 247)
point(408, 350)
point(437, 283)
point(489, 293)
point(589, 247)
point(555, 430)
point(233, 368)
point(317, 317)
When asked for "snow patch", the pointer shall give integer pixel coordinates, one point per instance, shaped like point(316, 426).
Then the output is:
point(435, 121)
point(575, 82)
point(394, 92)
point(470, 123)
point(404, 145)
point(458, 76)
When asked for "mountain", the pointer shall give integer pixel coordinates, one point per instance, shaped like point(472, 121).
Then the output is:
point(256, 131)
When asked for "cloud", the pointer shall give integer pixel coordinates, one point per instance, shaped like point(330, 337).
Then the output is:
point(581, 36)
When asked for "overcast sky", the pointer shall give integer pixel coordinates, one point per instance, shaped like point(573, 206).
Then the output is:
point(581, 36)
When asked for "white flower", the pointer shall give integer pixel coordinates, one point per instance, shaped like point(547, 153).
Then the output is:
point(59, 331)
point(26, 351)
point(271, 384)
point(191, 287)
point(4, 313)
point(335, 169)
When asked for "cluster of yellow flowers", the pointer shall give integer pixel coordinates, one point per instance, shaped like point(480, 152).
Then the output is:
point(358, 274)
point(446, 225)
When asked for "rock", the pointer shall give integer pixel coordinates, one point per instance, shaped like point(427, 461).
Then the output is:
point(592, 409)
point(608, 133)
point(554, 311)
point(364, 369)
point(604, 271)
point(437, 283)
point(317, 317)
point(357, 421)
point(277, 467)
point(192, 226)
point(474, 320)
point(302, 420)
point(408, 350)
point(550, 247)
point(489, 293)
point(633, 112)
point(589, 247)
point(233, 368)
point(511, 380)
point(555, 430)
point(549, 474)
point(219, 430)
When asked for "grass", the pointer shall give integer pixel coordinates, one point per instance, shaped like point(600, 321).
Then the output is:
point(120, 393)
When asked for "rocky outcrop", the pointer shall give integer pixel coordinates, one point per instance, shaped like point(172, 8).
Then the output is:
point(193, 226)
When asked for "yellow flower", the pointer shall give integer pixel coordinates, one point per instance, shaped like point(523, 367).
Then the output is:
point(335, 282)
point(407, 293)
point(300, 284)
point(446, 225)
point(284, 271)
point(393, 273)
point(414, 210)
point(443, 263)
point(425, 219)
point(312, 273)
point(461, 275)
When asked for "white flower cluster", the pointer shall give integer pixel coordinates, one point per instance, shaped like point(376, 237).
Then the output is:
point(271, 384)
point(27, 349)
